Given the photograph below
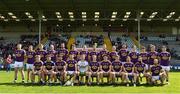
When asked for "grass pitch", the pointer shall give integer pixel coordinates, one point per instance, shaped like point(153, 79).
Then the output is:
point(6, 86)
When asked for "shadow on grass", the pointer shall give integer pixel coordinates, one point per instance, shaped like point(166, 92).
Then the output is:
point(92, 85)
point(20, 84)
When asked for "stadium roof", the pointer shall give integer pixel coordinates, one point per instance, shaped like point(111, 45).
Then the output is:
point(90, 10)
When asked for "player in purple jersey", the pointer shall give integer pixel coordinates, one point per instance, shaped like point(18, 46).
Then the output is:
point(63, 51)
point(30, 58)
point(19, 62)
point(71, 67)
point(113, 54)
point(41, 52)
point(60, 69)
point(144, 56)
point(48, 69)
point(157, 73)
point(74, 52)
point(117, 69)
point(37, 69)
point(152, 55)
point(103, 52)
point(52, 53)
point(94, 68)
point(140, 70)
point(164, 59)
point(134, 54)
point(105, 69)
point(128, 68)
point(93, 52)
point(84, 52)
point(123, 53)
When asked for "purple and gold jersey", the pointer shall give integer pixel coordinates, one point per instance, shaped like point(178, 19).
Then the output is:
point(60, 65)
point(75, 53)
point(112, 55)
point(71, 65)
point(30, 57)
point(52, 53)
point(49, 65)
point(117, 65)
point(164, 58)
point(144, 57)
point(155, 70)
point(140, 67)
point(38, 65)
point(19, 55)
point(93, 53)
point(123, 55)
point(43, 54)
point(84, 53)
point(63, 52)
point(128, 67)
point(101, 53)
point(94, 66)
point(152, 56)
point(134, 57)
point(106, 66)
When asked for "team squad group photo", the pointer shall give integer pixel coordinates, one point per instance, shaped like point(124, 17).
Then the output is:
point(92, 66)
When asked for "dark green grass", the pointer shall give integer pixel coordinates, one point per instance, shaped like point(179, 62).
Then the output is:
point(6, 86)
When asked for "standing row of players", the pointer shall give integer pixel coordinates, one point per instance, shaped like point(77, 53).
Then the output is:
point(125, 64)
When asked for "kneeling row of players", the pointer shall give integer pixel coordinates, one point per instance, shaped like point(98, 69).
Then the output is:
point(127, 71)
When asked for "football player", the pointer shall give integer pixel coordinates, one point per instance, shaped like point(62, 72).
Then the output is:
point(94, 68)
point(141, 71)
point(48, 69)
point(37, 69)
point(123, 53)
point(117, 69)
point(129, 72)
point(105, 69)
point(83, 70)
point(134, 54)
point(60, 69)
point(157, 73)
point(19, 62)
point(30, 58)
point(164, 59)
point(71, 68)
point(152, 55)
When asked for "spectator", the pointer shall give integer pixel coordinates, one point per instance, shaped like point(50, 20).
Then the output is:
point(8, 63)
point(1, 53)
point(1, 63)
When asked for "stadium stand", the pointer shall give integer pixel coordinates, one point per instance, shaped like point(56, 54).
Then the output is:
point(120, 38)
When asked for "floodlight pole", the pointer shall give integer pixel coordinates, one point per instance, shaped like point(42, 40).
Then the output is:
point(139, 30)
point(40, 19)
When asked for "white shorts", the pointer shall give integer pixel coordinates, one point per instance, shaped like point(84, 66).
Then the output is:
point(29, 66)
point(123, 63)
point(154, 78)
point(130, 74)
point(18, 64)
point(146, 66)
point(166, 68)
point(70, 72)
point(151, 66)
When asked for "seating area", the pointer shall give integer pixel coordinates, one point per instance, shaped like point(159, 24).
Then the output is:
point(121, 39)
point(56, 40)
point(27, 40)
point(161, 38)
point(8, 45)
point(89, 40)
